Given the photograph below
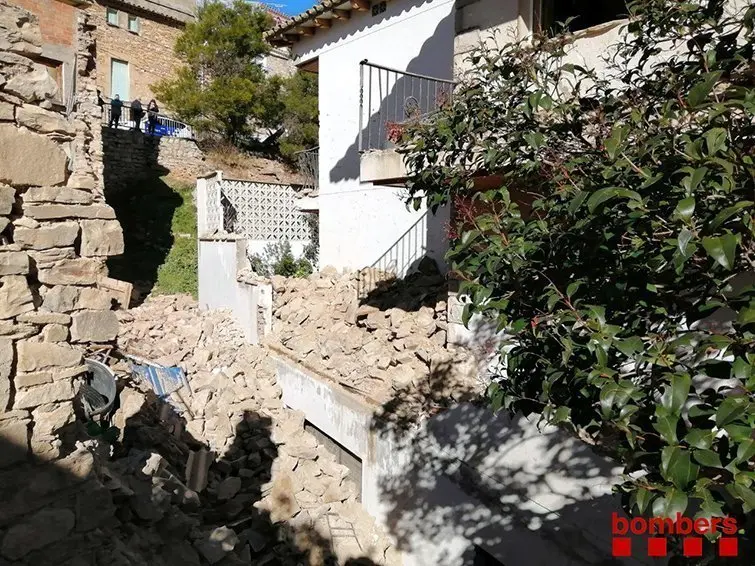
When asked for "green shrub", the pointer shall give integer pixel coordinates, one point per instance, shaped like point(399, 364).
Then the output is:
point(639, 224)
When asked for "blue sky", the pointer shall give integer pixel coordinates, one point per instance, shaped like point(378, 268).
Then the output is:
point(291, 7)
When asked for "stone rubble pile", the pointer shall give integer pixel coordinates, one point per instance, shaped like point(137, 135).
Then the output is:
point(377, 336)
point(271, 488)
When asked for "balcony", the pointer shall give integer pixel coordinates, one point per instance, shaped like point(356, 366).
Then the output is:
point(389, 99)
point(165, 126)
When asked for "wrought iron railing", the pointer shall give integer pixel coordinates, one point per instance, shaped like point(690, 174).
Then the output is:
point(308, 162)
point(389, 98)
point(165, 126)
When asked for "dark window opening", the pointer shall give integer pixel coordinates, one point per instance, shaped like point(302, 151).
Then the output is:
point(484, 558)
point(342, 454)
point(586, 13)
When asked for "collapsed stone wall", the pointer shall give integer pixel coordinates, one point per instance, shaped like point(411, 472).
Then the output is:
point(56, 232)
point(130, 155)
point(391, 343)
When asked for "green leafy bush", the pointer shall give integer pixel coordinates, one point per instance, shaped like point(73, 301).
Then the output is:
point(623, 220)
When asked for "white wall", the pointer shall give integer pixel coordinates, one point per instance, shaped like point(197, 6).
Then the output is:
point(360, 222)
point(528, 496)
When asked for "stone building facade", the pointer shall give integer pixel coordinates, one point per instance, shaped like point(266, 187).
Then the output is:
point(135, 44)
point(56, 300)
point(57, 26)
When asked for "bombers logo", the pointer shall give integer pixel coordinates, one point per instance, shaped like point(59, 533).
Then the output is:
point(657, 530)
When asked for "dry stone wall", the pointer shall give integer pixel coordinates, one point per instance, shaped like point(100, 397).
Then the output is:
point(131, 155)
point(56, 232)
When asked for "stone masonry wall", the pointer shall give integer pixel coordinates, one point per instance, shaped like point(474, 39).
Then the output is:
point(129, 155)
point(149, 53)
point(55, 233)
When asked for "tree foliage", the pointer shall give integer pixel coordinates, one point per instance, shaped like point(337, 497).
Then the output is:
point(222, 88)
point(617, 253)
point(300, 113)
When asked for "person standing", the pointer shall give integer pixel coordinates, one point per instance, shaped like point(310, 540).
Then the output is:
point(116, 105)
point(137, 113)
point(152, 113)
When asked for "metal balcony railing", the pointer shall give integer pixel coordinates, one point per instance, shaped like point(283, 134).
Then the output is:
point(165, 126)
point(389, 98)
point(308, 162)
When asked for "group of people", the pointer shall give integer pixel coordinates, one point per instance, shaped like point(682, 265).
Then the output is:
point(137, 112)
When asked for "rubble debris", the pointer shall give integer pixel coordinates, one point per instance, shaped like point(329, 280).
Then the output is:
point(393, 339)
point(242, 477)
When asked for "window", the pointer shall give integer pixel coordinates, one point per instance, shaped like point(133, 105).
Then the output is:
point(112, 16)
point(586, 13)
point(133, 24)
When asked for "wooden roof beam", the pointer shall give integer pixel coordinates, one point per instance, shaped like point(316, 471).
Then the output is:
point(307, 30)
point(341, 14)
point(323, 23)
point(360, 5)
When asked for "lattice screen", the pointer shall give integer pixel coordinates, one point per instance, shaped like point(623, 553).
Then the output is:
point(259, 211)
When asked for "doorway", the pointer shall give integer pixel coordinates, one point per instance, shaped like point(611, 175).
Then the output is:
point(119, 79)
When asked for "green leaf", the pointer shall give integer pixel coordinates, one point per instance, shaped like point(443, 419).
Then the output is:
point(698, 438)
point(727, 213)
point(666, 427)
point(676, 393)
point(730, 410)
point(677, 466)
point(685, 208)
point(629, 346)
point(722, 249)
point(643, 497)
point(707, 458)
point(747, 314)
point(674, 502)
point(745, 451)
point(572, 288)
point(744, 494)
point(683, 241)
point(715, 140)
point(602, 195)
point(700, 91)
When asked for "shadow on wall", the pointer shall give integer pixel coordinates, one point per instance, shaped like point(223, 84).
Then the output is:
point(435, 58)
point(469, 477)
point(59, 513)
point(425, 286)
point(144, 205)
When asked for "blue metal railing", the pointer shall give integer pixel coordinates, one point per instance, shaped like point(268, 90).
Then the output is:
point(165, 126)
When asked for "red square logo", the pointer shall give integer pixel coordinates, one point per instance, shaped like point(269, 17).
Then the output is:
point(727, 546)
point(656, 546)
point(693, 546)
point(621, 547)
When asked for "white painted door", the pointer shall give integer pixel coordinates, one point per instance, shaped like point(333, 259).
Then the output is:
point(119, 81)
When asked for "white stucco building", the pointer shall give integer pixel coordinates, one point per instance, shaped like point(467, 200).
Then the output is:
point(377, 64)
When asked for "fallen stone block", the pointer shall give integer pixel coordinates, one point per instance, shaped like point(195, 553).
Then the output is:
point(94, 326)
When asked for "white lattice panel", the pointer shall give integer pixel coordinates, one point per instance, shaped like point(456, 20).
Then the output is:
point(261, 211)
